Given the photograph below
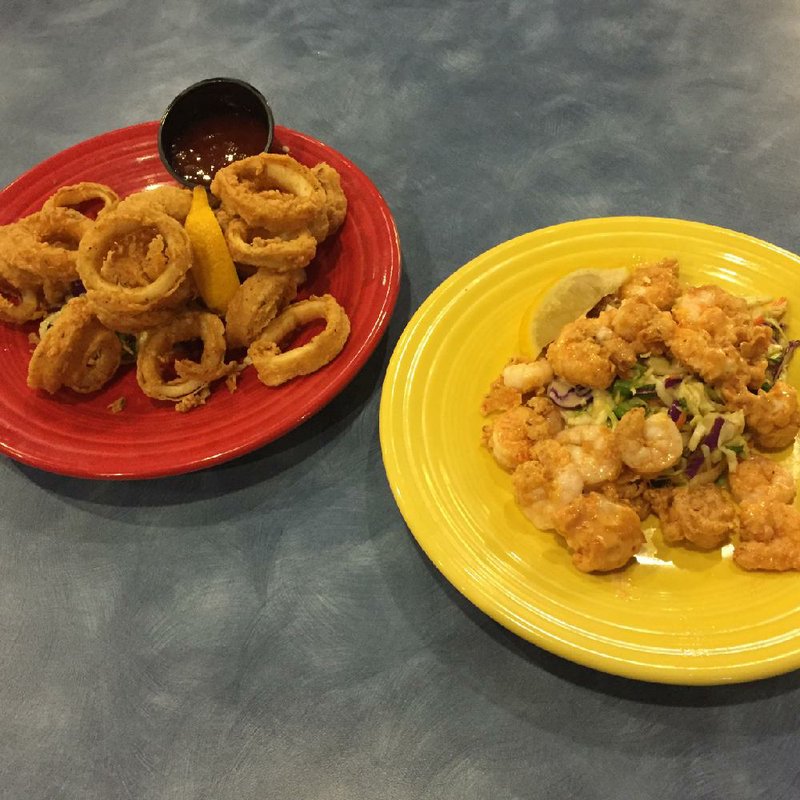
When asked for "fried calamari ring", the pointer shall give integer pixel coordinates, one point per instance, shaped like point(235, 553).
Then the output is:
point(258, 247)
point(157, 356)
point(335, 198)
point(256, 303)
point(223, 217)
point(275, 367)
point(125, 317)
point(76, 351)
point(20, 295)
point(25, 295)
point(19, 303)
point(136, 269)
point(102, 241)
point(72, 196)
point(270, 190)
point(170, 200)
point(48, 242)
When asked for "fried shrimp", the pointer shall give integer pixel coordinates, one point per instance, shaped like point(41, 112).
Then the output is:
point(546, 420)
point(528, 376)
point(657, 387)
point(588, 353)
point(758, 476)
point(648, 444)
point(629, 489)
point(753, 343)
point(602, 535)
point(500, 398)
point(256, 302)
point(718, 338)
point(712, 309)
point(546, 482)
point(519, 376)
point(656, 283)
point(764, 520)
point(704, 516)
point(507, 437)
point(76, 351)
point(770, 537)
point(510, 435)
point(640, 322)
point(773, 417)
point(275, 366)
point(716, 363)
point(779, 555)
point(656, 400)
point(594, 452)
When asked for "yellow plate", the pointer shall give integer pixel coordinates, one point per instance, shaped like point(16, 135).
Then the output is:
point(674, 617)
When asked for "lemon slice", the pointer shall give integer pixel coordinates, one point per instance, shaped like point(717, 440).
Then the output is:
point(564, 302)
point(212, 265)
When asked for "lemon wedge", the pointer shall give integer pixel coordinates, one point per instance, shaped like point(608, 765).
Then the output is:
point(212, 265)
point(565, 301)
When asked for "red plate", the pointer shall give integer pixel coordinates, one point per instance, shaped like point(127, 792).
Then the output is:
point(76, 435)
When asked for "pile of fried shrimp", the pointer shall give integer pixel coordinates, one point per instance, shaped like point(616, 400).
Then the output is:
point(664, 399)
point(119, 287)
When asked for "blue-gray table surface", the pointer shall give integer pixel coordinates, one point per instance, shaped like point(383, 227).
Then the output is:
point(269, 628)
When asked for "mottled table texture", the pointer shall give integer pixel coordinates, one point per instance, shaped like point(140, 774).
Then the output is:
point(269, 628)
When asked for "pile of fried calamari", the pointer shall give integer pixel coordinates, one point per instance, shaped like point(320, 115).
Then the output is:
point(120, 287)
point(664, 399)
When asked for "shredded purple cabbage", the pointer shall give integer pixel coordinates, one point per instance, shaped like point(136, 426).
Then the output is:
point(694, 463)
point(675, 411)
point(565, 395)
point(672, 380)
point(783, 365)
point(712, 438)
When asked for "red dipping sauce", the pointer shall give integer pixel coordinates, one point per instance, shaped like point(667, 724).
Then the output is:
point(210, 125)
point(211, 142)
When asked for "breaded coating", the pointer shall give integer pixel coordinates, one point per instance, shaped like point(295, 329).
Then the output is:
point(703, 516)
point(602, 535)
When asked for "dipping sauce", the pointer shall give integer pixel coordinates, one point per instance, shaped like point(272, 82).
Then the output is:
point(211, 142)
point(210, 125)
